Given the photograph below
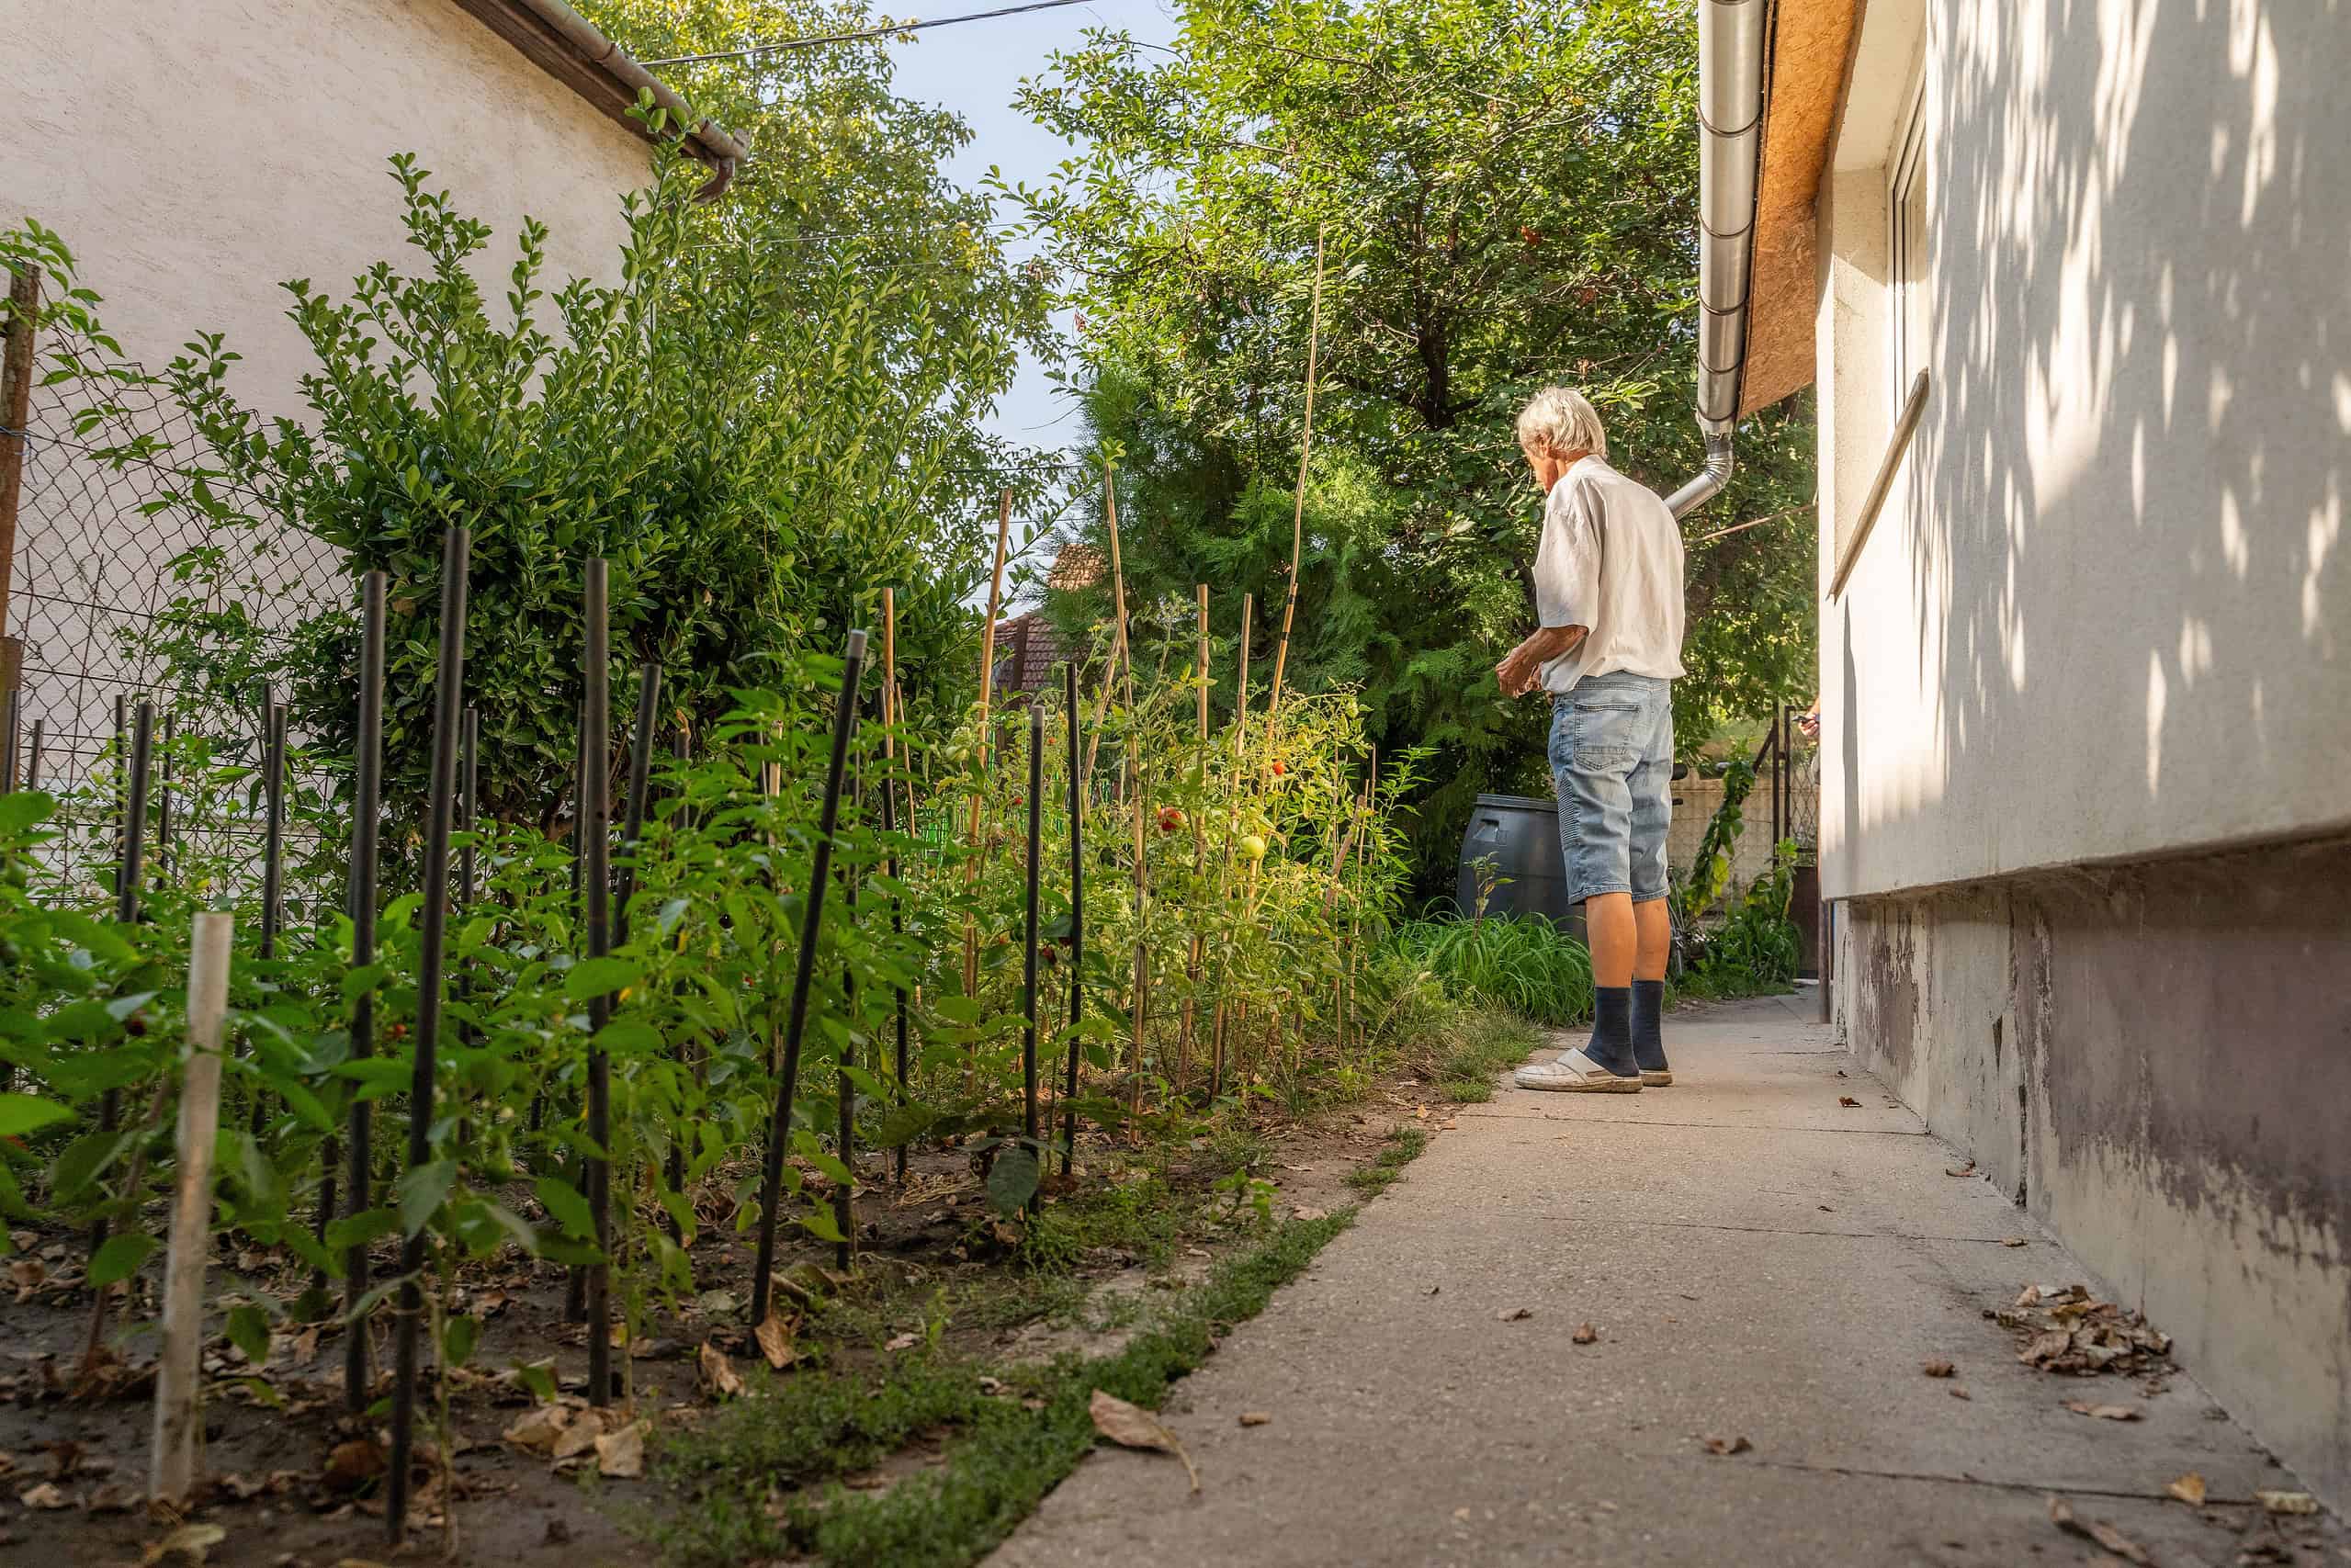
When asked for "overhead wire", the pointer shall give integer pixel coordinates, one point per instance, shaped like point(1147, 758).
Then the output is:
point(891, 31)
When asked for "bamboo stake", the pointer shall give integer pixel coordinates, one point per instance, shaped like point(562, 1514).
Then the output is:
point(1298, 515)
point(178, 1421)
point(448, 701)
point(1122, 652)
point(779, 1128)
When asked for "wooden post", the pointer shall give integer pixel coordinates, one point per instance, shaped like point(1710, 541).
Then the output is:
point(16, 406)
point(1298, 514)
point(178, 1421)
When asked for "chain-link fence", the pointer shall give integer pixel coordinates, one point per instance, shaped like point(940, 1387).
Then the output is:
point(102, 563)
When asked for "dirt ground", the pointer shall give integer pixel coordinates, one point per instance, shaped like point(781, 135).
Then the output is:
point(290, 1480)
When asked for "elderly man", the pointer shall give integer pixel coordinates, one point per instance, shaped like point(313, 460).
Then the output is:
point(1608, 591)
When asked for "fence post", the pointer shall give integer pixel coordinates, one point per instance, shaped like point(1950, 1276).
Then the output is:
point(15, 407)
point(177, 1420)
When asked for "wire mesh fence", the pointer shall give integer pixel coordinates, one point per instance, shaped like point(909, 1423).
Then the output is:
point(103, 567)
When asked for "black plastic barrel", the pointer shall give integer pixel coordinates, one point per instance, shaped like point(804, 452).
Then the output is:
point(1519, 836)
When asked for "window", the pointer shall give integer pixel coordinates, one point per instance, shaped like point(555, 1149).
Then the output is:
point(1911, 243)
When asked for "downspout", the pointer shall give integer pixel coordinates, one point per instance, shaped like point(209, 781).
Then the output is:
point(1730, 154)
point(720, 151)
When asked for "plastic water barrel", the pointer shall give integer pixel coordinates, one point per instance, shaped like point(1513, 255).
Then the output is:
point(1521, 836)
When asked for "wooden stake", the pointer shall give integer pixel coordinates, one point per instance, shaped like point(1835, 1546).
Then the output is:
point(1122, 653)
point(890, 718)
point(178, 1421)
point(1030, 1126)
point(1298, 515)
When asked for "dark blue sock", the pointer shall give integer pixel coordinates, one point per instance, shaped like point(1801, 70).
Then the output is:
point(1648, 1025)
point(1612, 1042)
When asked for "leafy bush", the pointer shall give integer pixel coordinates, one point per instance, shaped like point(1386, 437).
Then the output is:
point(1759, 948)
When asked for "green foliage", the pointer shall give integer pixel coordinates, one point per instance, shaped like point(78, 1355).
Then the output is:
point(1522, 962)
point(1710, 868)
point(1504, 198)
point(1758, 950)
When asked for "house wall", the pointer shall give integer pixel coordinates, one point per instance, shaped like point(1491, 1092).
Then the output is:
point(2104, 613)
point(2086, 717)
point(195, 156)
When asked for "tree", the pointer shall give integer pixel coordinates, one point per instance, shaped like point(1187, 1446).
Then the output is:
point(1506, 195)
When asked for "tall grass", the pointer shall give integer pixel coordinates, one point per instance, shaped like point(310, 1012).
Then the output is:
point(1521, 962)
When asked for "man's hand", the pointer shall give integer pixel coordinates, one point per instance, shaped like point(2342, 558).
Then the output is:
point(1519, 673)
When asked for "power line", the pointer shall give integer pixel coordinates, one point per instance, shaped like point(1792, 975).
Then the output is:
point(890, 31)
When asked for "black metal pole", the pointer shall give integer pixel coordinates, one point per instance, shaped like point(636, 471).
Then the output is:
point(366, 820)
point(127, 877)
point(779, 1128)
point(681, 749)
point(432, 925)
point(33, 757)
point(575, 1287)
point(163, 803)
point(272, 851)
point(1029, 1123)
point(844, 1142)
point(596, 890)
point(8, 726)
point(1077, 922)
point(121, 796)
point(897, 929)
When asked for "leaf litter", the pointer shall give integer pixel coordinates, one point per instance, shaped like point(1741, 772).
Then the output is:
point(2061, 1514)
point(2064, 1329)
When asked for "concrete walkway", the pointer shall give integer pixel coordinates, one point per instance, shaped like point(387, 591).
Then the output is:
point(1759, 1261)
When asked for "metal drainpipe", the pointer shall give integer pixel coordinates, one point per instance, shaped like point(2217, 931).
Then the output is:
point(1730, 153)
point(724, 150)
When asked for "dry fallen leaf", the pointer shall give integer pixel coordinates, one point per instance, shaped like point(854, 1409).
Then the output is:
point(2287, 1502)
point(354, 1463)
point(1131, 1427)
point(621, 1455)
point(775, 1338)
point(2061, 1514)
point(1727, 1445)
point(189, 1543)
point(2188, 1489)
point(537, 1429)
point(2104, 1412)
point(716, 1373)
point(1422, 1114)
point(1254, 1417)
point(45, 1496)
point(1938, 1368)
point(2012, 1241)
point(1849, 1102)
point(1958, 1393)
point(587, 1426)
point(1585, 1333)
point(1967, 1169)
point(1514, 1314)
point(1309, 1214)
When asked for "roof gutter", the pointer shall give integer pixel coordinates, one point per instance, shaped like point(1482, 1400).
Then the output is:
point(572, 49)
point(1731, 46)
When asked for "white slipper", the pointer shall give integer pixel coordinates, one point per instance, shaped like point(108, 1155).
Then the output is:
point(1575, 1073)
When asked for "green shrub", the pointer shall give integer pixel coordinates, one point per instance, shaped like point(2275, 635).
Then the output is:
point(1523, 962)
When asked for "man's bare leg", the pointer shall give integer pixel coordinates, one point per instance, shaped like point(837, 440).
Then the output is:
point(1611, 930)
point(1653, 935)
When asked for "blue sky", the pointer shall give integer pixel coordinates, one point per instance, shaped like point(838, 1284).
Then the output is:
point(974, 70)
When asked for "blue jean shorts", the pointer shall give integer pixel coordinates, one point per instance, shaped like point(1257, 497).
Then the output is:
point(1612, 762)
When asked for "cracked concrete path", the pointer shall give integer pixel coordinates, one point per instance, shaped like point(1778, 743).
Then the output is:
point(1760, 1260)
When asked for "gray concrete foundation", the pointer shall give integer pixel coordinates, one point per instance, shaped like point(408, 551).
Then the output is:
point(2155, 1059)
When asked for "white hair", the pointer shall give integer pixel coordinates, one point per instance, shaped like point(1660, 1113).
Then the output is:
point(1560, 419)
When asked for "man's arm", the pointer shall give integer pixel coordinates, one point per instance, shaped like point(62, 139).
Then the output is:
point(1523, 667)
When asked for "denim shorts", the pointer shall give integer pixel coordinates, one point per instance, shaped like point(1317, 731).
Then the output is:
point(1612, 762)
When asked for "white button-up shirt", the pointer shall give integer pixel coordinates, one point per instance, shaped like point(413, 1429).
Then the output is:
point(1610, 559)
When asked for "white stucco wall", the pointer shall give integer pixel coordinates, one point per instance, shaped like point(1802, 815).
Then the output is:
point(196, 153)
point(2103, 614)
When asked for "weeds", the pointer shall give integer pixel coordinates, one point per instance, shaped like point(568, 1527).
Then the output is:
point(1521, 962)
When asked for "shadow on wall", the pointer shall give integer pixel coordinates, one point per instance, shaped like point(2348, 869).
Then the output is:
point(2127, 561)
